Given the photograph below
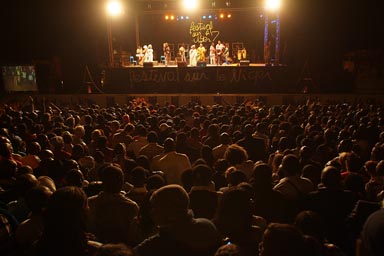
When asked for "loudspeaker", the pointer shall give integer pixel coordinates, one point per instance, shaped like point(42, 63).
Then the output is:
point(201, 64)
point(148, 64)
point(182, 64)
point(244, 63)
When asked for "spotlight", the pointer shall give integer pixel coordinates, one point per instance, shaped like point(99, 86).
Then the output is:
point(187, 17)
point(228, 3)
point(221, 16)
point(272, 5)
point(204, 17)
point(114, 8)
point(229, 16)
point(172, 17)
point(166, 17)
point(181, 17)
point(190, 5)
point(210, 16)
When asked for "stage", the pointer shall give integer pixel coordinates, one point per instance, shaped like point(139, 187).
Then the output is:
point(233, 78)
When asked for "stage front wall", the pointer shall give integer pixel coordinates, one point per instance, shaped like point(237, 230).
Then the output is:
point(224, 79)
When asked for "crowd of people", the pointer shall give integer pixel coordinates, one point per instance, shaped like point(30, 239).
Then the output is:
point(142, 179)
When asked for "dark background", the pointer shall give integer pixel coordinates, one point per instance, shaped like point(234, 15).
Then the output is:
point(72, 34)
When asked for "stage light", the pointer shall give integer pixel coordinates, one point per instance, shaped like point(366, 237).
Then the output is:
point(114, 8)
point(187, 17)
point(190, 5)
point(181, 17)
point(229, 16)
point(228, 3)
point(172, 17)
point(166, 17)
point(204, 17)
point(221, 16)
point(210, 16)
point(272, 5)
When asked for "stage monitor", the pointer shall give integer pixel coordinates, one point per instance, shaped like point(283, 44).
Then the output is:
point(202, 64)
point(182, 64)
point(19, 78)
point(148, 64)
point(244, 63)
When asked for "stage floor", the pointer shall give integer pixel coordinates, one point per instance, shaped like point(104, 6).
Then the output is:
point(174, 65)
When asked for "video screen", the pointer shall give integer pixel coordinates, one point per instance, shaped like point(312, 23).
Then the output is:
point(19, 78)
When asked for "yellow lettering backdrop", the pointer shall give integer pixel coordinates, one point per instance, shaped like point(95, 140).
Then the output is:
point(203, 32)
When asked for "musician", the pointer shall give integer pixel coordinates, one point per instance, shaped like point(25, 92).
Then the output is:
point(267, 53)
point(140, 55)
point(212, 54)
point(241, 54)
point(219, 52)
point(149, 57)
point(225, 54)
point(244, 53)
point(167, 53)
point(201, 53)
point(193, 56)
point(145, 53)
point(182, 53)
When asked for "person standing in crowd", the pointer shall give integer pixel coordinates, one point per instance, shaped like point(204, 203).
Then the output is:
point(112, 216)
point(179, 232)
point(172, 163)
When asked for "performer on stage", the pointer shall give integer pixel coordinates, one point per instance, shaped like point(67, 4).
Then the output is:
point(167, 53)
point(182, 53)
point(239, 55)
point(201, 53)
point(145, 53)
point(244, 53)
point(212, 54)
point(225, 51)
point(140, 55)
point(149, 54)
point(267, 53)
point(219, 53)
point(193, 56)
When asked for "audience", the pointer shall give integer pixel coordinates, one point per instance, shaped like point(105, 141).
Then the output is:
point(242, 166)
